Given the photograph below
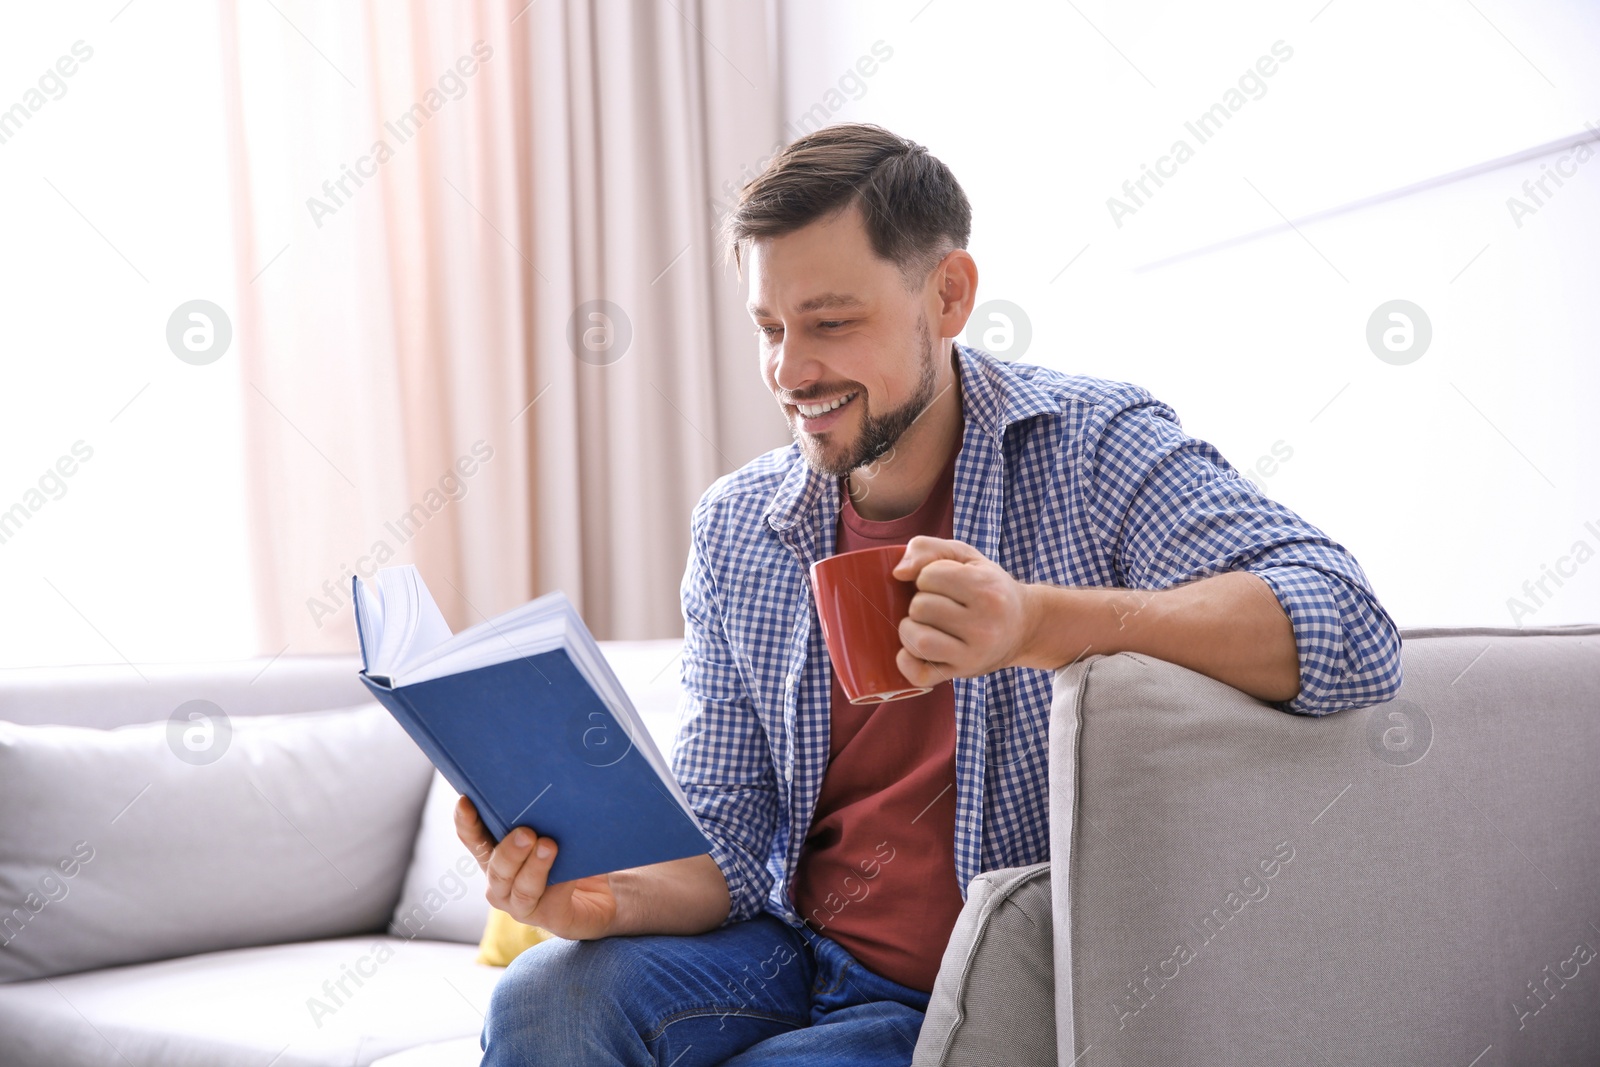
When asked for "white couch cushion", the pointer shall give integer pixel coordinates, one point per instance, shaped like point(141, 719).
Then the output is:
point(105, 695)
point(459, 1052)
point(281, 1005)
point(120, 846)
point(443, 898)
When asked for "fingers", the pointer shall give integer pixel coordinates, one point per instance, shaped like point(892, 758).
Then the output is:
point(473, 834)
point(518, 871)
point(939, 610)
point(506, 863)
point(919, 672)
point(528, 887)
point(960, 582)
point(930, 645)
point(921, 550)
point(967, 616)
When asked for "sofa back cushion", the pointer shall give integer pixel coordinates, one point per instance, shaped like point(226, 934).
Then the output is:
point(443, 895)
point(1412, 882)
point(199, 833)
point(106, 695)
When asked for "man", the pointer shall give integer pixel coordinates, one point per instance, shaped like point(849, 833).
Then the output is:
point(1047, 517)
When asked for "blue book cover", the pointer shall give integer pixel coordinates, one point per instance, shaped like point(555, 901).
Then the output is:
point(532, 743)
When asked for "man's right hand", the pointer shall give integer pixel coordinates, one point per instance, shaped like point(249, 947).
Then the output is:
point(517, 869)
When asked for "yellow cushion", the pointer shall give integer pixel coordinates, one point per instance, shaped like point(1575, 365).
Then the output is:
point(504, 939)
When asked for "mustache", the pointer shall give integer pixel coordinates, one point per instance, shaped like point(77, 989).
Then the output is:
point(821, 392)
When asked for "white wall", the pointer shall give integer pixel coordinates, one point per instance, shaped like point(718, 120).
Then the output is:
point(1454, 479)
point(116, 212)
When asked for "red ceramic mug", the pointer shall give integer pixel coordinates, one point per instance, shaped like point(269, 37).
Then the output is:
point(861, 604)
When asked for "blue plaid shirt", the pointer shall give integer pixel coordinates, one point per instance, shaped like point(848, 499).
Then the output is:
point(1065, 479)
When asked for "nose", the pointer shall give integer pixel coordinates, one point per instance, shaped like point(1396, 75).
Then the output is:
point(792, 365)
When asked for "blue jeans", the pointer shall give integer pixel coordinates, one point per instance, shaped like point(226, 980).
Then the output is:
point(752, 992)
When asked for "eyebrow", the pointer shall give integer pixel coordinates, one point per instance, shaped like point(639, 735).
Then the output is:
point(821, 302)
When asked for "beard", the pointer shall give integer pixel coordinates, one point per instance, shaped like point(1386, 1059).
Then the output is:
point(878, 432)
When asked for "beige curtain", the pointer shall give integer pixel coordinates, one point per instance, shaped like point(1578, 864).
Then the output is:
point(431, 198)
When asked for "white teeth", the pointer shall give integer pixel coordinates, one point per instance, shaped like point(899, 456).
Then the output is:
point(811, 411)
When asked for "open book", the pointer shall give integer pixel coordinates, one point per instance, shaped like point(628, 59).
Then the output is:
point(522, 714)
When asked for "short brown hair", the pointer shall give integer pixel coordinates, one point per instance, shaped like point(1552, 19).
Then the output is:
point(914, 208)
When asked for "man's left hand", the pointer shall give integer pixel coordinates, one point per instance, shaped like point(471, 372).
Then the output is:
point(968, 617)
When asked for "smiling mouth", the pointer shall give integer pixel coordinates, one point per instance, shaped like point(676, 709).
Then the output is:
point(812, 411)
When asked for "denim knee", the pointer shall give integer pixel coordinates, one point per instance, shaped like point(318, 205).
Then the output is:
point(633, 1001)
point(564, 1002)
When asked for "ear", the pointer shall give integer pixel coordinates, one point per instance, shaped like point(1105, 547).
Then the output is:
point(955, 285)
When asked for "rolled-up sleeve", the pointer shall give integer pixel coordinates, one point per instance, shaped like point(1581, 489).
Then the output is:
point(1172, 510)
point(720, 754)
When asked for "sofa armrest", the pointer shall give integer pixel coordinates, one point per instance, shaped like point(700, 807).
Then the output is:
point(1415, 881)
point(994, 999)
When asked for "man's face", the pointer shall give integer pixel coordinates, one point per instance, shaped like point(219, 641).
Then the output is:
point(847, 352)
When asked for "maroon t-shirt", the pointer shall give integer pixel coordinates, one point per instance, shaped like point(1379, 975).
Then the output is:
point(877, 873)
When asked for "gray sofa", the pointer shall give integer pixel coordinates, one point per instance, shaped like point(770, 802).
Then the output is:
point(1417, 882)
point(1414, 882)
